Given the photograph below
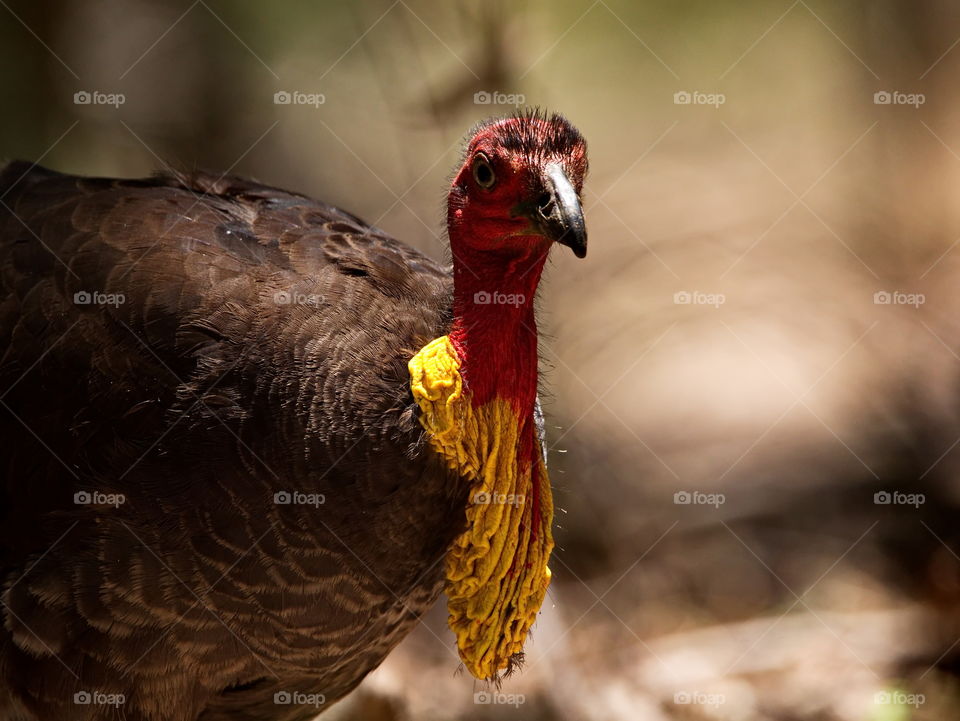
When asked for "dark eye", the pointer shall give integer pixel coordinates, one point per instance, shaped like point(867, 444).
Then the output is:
point(483, 172)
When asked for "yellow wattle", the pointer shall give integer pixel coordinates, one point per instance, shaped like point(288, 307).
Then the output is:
point(496, 570)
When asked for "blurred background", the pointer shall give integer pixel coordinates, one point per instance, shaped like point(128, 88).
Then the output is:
point(754, 376)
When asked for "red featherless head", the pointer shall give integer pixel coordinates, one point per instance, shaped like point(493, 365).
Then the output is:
point(518, 189)
point(516, 193)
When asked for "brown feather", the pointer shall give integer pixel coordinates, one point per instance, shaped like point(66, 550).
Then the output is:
point(198, 398)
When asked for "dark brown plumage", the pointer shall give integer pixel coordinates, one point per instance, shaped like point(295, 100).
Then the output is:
point(219, 381)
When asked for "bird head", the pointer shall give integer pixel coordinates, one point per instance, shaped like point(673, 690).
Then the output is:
point(518, 189)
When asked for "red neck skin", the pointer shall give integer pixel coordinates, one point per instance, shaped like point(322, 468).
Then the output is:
point(497, 340)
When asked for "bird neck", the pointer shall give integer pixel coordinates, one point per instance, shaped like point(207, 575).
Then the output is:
point(494, 327)
point(476, 389)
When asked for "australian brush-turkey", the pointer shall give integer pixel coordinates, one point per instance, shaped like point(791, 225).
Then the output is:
point(248, 439)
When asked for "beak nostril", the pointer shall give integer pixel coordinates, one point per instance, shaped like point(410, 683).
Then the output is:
point(545, 204)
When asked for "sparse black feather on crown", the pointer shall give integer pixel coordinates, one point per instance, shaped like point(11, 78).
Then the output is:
point(554, 137)
point(537, 133)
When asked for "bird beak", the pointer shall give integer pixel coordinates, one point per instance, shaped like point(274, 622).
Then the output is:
point(560, 215)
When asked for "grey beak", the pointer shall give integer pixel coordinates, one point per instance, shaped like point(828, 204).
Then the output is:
point(560, 214)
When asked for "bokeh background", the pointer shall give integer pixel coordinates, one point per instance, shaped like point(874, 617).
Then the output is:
point(763, 338)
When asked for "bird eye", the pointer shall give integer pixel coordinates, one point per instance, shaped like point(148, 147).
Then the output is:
point(483, 172)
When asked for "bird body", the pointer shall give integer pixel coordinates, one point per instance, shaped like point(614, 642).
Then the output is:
point(223, 494)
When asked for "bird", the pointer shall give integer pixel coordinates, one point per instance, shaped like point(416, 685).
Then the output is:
point(249, 439)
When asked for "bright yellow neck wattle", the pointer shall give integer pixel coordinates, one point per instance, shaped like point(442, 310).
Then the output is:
point(496, 570)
